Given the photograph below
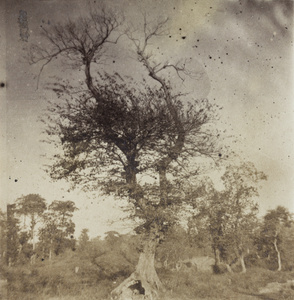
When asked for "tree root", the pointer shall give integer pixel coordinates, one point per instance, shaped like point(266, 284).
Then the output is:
point(136, 287)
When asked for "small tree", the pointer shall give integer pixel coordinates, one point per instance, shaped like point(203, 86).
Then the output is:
point(274, 224)
point(84, 239)
point(241, 184)
point(57, 232)
point(13, 230)
point(231, 213)
point(175, 247)
point(32, 206)
point(212, 217)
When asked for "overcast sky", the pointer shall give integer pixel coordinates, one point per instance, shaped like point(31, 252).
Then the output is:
point(243, 49)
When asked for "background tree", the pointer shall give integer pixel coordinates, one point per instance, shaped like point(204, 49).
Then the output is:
point(199, 235)
point(272, 236)
point(84, 239)
point(25, 251)
point(231, 214)
point(32, 206)
point(57, 232)
point(242, 183)
point(176, 247)
point(115, 256)
point(3, 236)
point(287, 251)
point(213, 213)
point(12, 235)
point(113, 133)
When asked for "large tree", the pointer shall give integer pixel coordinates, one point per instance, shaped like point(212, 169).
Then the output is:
point(115, 131)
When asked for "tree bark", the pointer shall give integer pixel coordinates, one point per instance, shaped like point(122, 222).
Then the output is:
point(145, 276)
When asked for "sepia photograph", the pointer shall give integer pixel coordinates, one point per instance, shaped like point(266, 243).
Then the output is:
point(147, 149)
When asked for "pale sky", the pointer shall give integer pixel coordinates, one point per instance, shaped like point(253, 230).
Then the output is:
point(243, 49)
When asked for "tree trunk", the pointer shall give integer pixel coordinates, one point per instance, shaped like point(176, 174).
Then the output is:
point(33, 224)
point(50, 250)
point(217, 257)
point(242, 263)
point(218, 265)
point(33, 257)
point(144, 280)
point(229, 269)
point(165, 263)
point(278, 255)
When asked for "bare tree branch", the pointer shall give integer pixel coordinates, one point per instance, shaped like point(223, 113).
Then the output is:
point(79, 42)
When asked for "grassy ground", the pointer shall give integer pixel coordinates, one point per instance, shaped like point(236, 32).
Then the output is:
point(225, 286)
point(59, 282)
